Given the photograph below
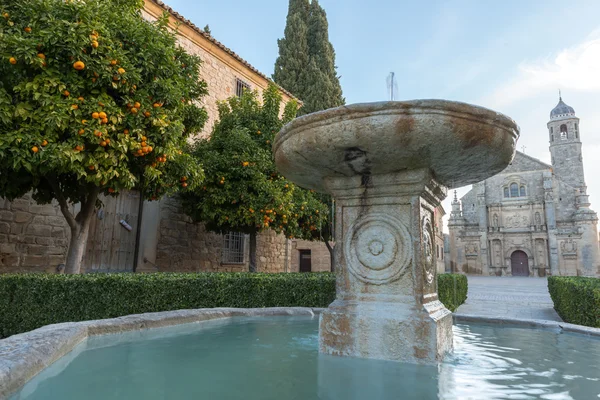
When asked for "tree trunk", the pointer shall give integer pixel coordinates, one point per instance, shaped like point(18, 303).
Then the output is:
point(253, 251)
point(331, 255)
point(77, 248)
point(80, 225)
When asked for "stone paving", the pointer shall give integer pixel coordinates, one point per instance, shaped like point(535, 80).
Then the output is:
point(509, 297)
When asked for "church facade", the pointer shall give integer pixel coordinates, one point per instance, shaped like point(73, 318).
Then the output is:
point(532, 219)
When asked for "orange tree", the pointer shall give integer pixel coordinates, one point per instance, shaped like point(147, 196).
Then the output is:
point(242, 191)
point(93, 100)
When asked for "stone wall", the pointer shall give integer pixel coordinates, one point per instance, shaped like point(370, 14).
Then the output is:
point(319, 255)
point(33, 238)
point(185, 246)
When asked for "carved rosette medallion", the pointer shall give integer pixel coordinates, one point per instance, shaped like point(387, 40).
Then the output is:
point(377, 248)
point(428, 250)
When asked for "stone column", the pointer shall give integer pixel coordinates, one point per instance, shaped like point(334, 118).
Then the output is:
point(386, 288)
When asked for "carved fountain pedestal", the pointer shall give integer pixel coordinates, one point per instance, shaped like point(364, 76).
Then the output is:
point(388, 165)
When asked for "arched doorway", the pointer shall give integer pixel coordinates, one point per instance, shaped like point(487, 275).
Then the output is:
point(519, 263)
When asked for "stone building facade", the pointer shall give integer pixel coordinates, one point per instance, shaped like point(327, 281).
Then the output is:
point(34, 238)
point(532, 219)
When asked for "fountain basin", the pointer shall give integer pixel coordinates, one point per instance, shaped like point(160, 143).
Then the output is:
point(388, 166)
point(277, 358)
point(443, 136)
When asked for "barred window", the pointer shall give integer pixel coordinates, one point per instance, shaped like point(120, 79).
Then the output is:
point(240, 86)
point(233, 248)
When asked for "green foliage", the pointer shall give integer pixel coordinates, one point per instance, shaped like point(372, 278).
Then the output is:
point(33, 300)
point(576, 299)
point(306, 62)
point(243, 191)
point(452, 290)
point(29, 301)
point(48, 130)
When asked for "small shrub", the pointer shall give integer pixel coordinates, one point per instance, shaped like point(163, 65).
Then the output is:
point(29, 301)
point(576, 299)
point(452, 290)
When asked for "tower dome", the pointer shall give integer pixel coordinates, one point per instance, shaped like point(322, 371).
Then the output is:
point(562, 110)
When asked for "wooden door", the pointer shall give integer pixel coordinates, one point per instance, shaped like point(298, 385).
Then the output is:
point(305, 261)
point(519, 263)
point(110, 246)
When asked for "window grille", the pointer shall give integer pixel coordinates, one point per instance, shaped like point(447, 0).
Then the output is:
point(514, 190)
point(233, 248)
point(240, 87)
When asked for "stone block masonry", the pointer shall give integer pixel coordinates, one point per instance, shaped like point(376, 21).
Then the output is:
point(33, 237)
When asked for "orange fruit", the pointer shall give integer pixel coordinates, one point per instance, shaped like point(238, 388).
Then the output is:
point(144, 139)
point(6, 15)
point(134, 110)
point(143, 144)
point(184, 184)
point(115, 78)
point(155, 105)
point(103, 143)
point(137, 105)
point(111, 190)
point(91, 167)
point(95, 115)
point(102, 114)
point(27, 29)
point(183, 178)
point(12, 60)
point(97, 133)
point(66, 93)
point(149, 148)
point(121, 71)
point(81, 131)
point(44, 143)
point(107, 141)
point(104, 121)
point(74, 106)
point(84, 121)
point(94, 44)
point(35, 149)
point(78, 65)
point(80, 98)
point(147, 114)
point(42, 56)
point(94, 80)
point(113, 62)
point(126, 131)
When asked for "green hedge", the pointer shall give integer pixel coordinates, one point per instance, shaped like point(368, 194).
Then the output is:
point(29, 301)
point(576, 299)
point(452, 290)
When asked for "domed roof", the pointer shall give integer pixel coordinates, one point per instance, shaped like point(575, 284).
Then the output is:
point(561, 110)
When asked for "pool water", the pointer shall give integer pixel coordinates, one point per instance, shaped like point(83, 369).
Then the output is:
point(277, 358)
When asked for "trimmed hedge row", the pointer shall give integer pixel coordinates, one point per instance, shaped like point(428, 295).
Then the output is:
point(576, 299)
point(452, 290)
point(29, 301)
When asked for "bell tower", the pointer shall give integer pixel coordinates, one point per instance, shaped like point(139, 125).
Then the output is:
point(565, 145)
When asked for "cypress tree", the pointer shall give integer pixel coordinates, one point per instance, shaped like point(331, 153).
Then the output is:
point(306, 62)
point(323, 88)
point(293, 49)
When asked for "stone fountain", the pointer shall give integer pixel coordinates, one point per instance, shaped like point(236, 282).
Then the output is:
point(388, 166)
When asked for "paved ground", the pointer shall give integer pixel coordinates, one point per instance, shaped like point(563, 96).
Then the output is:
point(509, 297)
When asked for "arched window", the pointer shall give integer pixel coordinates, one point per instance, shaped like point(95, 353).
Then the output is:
point(563, 131)
point(522, 191)
point(514, 190)
point(506, 194)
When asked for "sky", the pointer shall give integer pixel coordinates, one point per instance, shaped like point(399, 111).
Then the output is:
point(511, 56)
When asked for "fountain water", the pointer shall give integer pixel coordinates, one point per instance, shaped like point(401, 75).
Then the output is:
point(388, 166)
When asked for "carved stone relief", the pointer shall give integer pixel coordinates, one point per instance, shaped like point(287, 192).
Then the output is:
point(568, 248)
point(516, 221)
point(428, 250)
point(377, 248)
point(472, 250)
